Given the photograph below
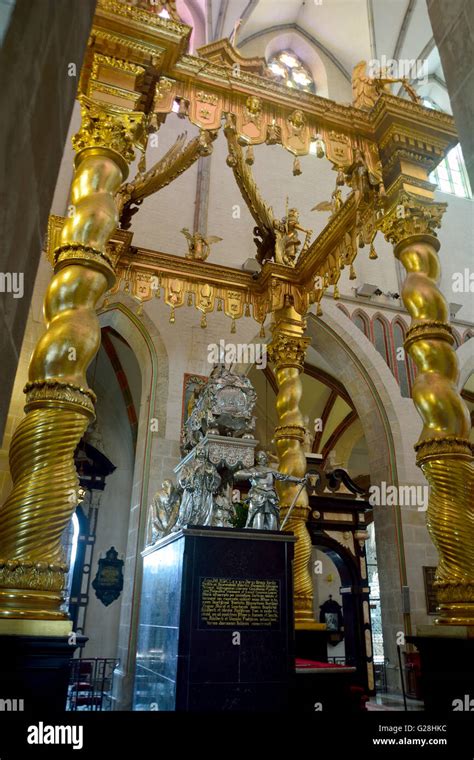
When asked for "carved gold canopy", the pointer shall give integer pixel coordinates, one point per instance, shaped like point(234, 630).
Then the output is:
point(137, 63)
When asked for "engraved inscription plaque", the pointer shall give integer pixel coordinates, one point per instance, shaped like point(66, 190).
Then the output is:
point(239, 603)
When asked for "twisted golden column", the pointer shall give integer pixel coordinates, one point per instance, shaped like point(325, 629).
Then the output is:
point(287, 352)
point(443, 449)
point(59, 404)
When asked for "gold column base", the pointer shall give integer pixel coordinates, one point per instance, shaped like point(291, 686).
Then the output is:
point(35, 627)
point(309, 625)
point(29, 604)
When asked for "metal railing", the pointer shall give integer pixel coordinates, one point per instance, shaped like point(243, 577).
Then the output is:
point(90, 684)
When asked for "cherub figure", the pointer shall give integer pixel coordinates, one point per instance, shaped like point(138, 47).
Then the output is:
point(198, 245)
point(366, 89)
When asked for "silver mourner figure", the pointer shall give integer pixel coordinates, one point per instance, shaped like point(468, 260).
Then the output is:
point(264, 512)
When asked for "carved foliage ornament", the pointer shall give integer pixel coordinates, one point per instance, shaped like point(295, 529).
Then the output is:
point(411, 216)
point(284, 350)
point(110, 128)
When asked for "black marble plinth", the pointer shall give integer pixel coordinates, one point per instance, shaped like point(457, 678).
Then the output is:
point(216, 622)
point(34, 671)
point(447, 668)
point(328, 690)
point(311, 644)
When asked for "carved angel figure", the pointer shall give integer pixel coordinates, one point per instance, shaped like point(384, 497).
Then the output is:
point(366, 90)
point(333, 205)
point(287, 241)
point(163, 512)
point(199, 246)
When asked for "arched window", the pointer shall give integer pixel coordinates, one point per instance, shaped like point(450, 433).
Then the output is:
point(362, 322)
point(287, 67)
point(381, 339)
point(343, 309)
point(457, 338)
point(401, 357)
point(451, 176)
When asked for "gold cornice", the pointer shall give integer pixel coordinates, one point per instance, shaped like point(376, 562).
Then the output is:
point(223, 53)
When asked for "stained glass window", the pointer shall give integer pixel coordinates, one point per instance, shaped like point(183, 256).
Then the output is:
point(287, 67)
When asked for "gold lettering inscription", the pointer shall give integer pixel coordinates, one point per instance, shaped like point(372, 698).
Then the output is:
point(227, 601)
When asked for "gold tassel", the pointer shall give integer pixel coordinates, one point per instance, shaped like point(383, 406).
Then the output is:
point(142, 164)
point(352, 274)
point(249, 158)
point(203, 321)
point(319, 311)
point(233, 327)
point(126, 288)
point(219, 304)
point(296, 167)
point(373, 252)
point(190, 299)
point(336, 292)
point(172, 316)
point(262, 331)
point(140, 310)
point(247, 310)
point(340, 177)
point(361, 242)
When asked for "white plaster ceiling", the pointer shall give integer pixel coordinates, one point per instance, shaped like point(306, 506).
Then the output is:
point(350, 30)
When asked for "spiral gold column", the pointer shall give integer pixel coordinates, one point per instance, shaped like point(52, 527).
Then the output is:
point(59, 404)
point(287, 352)
point(443, 450)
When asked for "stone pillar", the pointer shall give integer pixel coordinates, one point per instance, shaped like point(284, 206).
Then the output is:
point(443, 450)
point(453, 30)
point(287, 351)
point(59, 404)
